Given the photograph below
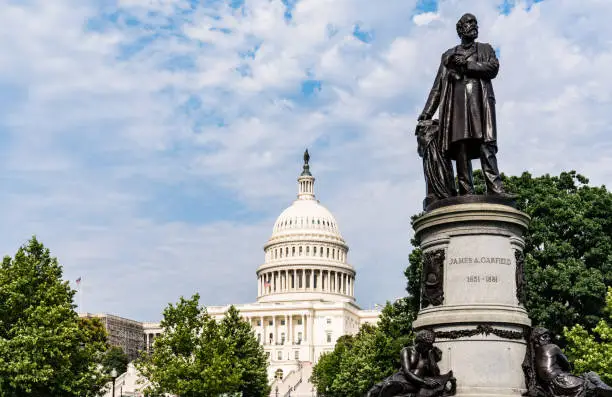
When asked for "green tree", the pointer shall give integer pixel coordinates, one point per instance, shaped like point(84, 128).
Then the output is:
point(115, 358)
point(592, 352)
point(45, 349)
point(396, 318)
point(196, 356)
point(328, 366)
point(357, 363)
point(248, 355)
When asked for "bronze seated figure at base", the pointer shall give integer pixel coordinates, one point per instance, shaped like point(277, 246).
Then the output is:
point(547, 372)
point(419, 375)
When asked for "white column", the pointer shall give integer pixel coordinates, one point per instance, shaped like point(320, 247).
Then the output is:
point(312, 280)
point(286, 328)
point(273, 329)
point(346, 284)
point(312, 346)
point(309, 319)
point(262, 330)
point(290, 330)
point(336, 282)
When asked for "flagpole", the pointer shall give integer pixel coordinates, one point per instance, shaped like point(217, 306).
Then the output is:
point(79, 281)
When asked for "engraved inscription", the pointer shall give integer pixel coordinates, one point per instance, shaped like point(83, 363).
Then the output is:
point(484, 278)
point(482, 259)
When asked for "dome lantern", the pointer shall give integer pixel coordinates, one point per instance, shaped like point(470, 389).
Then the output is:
point(306, 181)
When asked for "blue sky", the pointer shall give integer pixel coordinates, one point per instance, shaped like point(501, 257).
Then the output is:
point(150, 144)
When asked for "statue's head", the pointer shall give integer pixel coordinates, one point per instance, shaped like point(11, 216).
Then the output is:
point(540, 336)
point(424, 340)
point(467, 27)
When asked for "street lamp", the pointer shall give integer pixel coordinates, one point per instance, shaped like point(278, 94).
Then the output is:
point(113, 374)
point(276, 390)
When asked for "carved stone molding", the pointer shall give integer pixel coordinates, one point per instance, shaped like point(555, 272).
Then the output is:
point(483, 329)
point(432, 280)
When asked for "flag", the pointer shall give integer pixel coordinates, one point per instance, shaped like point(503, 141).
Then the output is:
point(78, 281)
point(267, 283)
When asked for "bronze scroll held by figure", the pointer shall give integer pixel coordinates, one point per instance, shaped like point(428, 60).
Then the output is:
point(419, 375)
point(463, 94)
point(548, 372)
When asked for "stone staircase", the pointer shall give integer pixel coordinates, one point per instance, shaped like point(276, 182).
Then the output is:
point(295, 384)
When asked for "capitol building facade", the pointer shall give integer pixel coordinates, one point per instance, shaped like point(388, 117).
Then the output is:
point(305, 290)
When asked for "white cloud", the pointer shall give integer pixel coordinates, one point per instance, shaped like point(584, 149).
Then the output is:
point(101, 126)
point(425, 18)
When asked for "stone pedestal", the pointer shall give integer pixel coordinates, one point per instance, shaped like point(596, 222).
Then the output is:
point(472, 294)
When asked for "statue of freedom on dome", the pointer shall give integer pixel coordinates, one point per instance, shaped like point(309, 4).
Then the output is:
point(463, 94)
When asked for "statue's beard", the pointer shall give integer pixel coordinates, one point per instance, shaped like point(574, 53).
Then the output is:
point(471, 34)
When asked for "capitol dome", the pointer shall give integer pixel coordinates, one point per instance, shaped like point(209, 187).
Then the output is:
point(306, 256)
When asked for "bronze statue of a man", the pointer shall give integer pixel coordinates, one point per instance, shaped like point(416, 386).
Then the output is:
point(419, 374)
point(547, 372)
point(464, 95)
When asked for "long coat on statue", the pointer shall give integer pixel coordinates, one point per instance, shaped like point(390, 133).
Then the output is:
point(465, 100)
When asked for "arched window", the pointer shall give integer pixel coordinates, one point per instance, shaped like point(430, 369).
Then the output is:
point(307, 250)
point(300, 250)
point(292, 251)
point(321, 252)
point(328, 252)
point(314, 251)
point(334, 253)
point(286, 251)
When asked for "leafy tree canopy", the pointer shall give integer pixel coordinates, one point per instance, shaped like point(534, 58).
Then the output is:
point(45, 349)
point(592, 351)
point(115, 358)
point(358, 362)
point(196, 356)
